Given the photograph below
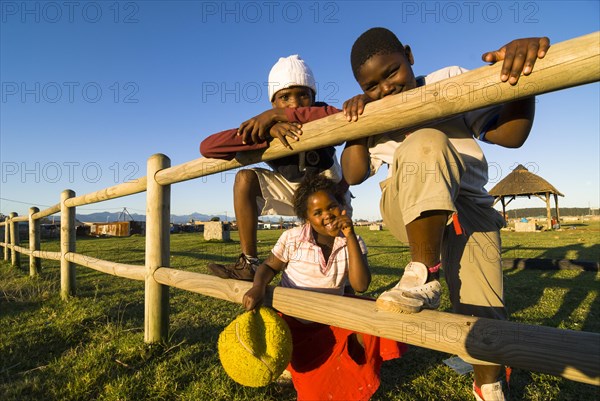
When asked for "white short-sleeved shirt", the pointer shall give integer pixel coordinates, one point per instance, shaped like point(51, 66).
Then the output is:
point(306, 267)
point(461, 131)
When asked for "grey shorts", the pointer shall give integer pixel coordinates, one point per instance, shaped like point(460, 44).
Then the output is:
point(278, 194)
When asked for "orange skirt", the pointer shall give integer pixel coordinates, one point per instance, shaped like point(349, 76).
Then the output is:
point(328, 363)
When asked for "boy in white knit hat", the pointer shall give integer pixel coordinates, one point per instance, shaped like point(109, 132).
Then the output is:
point(259, 191)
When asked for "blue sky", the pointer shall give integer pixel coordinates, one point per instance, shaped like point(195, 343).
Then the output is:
point(91, 89)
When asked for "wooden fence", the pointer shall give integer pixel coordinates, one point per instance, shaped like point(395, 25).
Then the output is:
point(567, 353)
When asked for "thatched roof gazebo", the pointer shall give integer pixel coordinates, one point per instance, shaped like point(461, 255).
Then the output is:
point(520, 183)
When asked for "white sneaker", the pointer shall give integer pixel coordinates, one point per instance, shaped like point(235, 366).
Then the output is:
point(429, 293)
point(412, 293)
point(415, 274)
point(394, 300)
point(489, 392)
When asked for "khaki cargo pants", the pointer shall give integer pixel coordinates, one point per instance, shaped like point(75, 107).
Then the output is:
point(426, 175)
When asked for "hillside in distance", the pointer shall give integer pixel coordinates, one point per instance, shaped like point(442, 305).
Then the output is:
point(103, 217)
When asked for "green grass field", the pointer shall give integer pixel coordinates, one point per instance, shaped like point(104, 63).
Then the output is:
point(92, 347)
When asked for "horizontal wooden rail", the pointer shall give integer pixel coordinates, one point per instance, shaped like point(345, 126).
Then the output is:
point(47, 212)
point(117, 191)
point(204, 166)
point(229, 290)
point(47, 255)
point(133, 272)
point(570, 63)
point(567, 353)
point(36, 216)
point(20, 249)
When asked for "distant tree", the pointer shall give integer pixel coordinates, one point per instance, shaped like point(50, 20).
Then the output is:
point(216, 218)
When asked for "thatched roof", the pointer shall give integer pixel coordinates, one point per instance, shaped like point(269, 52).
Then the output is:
point(520, 182)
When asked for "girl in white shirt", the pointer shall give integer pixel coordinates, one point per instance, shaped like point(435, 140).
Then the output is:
point(325, 255)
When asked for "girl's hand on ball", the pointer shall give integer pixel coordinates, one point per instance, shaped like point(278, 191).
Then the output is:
point(253, 298)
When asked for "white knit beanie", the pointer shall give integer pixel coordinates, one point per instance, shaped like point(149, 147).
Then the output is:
point(290, 71)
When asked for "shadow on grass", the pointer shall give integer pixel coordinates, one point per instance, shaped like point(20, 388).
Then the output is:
point(529, 289)
point(559, 252)
point(41, 344)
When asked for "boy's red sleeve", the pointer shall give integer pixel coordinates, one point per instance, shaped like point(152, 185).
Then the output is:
point(225, 144)
point(305, 114)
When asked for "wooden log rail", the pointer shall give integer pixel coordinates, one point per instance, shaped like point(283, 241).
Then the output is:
point(133, 272)
point(567, 353)
point(571, 354)
point(21, 249)
point(116, 191)
point(46, 255)
point(570, 63)
point(47, 212)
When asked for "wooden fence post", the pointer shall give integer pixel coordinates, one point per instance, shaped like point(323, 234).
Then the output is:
point(35, 264)
point(158, 210)
point(15, 257)
point(67, 244)
point(6, 237)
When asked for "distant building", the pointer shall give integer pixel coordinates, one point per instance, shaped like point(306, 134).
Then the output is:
point(376, 227)
point(117, 228)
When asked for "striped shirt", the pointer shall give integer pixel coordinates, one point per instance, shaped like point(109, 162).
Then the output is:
point(306, 266)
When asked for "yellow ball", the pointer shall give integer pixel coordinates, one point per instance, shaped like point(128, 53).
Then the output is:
point(256, 347)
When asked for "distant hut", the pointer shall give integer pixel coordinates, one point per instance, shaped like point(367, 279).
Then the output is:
point(520, 183)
